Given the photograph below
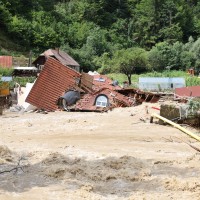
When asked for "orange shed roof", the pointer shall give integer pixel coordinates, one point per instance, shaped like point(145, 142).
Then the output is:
point(6, 61)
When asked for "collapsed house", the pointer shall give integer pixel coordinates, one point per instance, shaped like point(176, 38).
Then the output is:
point(53, 81)
point(59, 86)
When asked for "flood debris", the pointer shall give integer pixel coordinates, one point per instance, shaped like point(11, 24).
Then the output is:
point(192, 91)
point(175, 125)
point(182, 113)
point(185, 94)
point(53, 81)
point(61, 87)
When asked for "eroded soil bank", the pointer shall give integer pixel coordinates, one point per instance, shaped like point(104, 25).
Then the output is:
point(114, 155)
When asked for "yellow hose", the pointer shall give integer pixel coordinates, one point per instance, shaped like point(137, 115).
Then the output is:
point(177, 126)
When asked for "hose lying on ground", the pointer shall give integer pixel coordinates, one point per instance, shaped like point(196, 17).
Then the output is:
point(175, 125)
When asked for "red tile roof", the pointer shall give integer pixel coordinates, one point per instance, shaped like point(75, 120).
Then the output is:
point(193, 91)
point(53, 80)
point(102, 81)
point(87, 102)
point(6, 61)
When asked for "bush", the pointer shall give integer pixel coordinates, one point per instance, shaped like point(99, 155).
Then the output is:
point(5, 71)
point(22, 81)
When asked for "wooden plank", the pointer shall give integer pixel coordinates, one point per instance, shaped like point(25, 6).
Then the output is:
point(87, 80)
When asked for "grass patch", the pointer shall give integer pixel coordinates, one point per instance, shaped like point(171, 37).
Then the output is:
point(22, 81)
point(5, 71)
point(190, 80)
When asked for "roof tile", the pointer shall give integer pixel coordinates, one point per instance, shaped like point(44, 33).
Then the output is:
point(53, 80)
point(193, 91)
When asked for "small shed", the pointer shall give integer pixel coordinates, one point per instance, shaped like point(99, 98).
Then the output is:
point(6, 61)
point(160, 84)
point(59, 55)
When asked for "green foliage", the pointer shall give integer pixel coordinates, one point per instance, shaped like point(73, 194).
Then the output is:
point(79, 32)
point(129, 61)
point(20, 28)
point(175, 56)
point(94, 32)
point(104, 63)
point(9, 47)
point(194, 105)
point(5, 16)
point(5, 71)
point(22, 81)
point(165, 73)
point(172, 33)
point(164, 56)
point(196, 50)
point(122, 77)
point(190, 80)
point(187, 59)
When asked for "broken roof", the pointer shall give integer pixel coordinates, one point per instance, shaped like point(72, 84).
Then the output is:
point(192, 91)
point(53, 80)
point(102, 81)
point(87, 102)
point(63, 57)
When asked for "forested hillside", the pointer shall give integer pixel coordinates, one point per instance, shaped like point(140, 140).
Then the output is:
point(109, 35)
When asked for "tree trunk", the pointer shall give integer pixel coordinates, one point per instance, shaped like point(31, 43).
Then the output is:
point(129, 79)
point(1, 110)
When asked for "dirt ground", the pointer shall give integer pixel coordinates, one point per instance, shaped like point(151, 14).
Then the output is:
point(116, 155)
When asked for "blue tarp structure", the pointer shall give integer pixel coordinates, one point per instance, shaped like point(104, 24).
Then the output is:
point(6, 78)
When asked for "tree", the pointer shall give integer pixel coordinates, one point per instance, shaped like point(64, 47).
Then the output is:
point(129, 61)
point(5, 16)
point(196, 50)
point(171, 34)
point(187, 60)
point(159, 56)
point(144, 20)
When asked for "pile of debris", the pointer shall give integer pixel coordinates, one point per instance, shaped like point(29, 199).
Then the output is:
point(61, 87)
